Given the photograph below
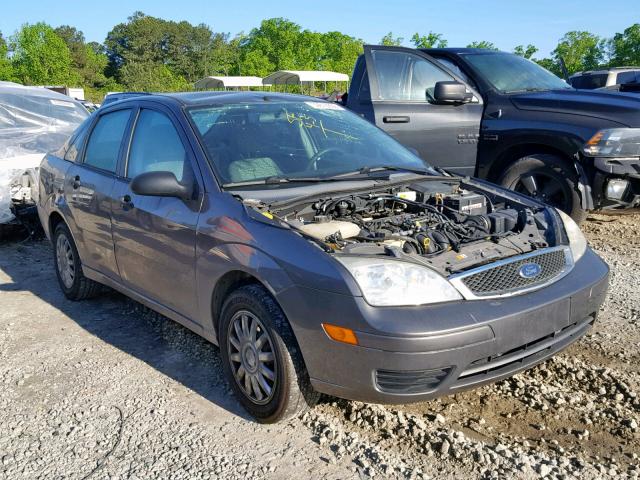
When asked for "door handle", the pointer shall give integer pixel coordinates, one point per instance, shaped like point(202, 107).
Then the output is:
point(396, 119)
point(126, 203)
point(76, 182)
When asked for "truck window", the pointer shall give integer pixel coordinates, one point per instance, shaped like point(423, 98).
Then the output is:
point(406, 77)
point(589, 81)
point(628, 77)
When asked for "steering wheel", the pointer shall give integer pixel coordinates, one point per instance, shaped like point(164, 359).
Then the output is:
point(318, 156)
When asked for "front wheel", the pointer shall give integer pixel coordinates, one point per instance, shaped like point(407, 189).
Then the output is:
point(261, 358)
point(547, 178)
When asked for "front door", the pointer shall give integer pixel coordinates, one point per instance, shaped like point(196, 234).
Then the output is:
point(402, 83)
point(88, 188)
point(155, 237)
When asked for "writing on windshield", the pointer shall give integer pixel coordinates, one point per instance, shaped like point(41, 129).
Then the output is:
point(307, 121)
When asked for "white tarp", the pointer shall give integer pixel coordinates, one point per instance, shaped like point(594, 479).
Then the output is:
point(33, 121)
point(296, 77)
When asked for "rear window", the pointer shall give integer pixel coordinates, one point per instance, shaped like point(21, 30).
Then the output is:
point(589, 81)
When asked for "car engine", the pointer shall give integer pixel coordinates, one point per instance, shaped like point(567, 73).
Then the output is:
point(445, 224)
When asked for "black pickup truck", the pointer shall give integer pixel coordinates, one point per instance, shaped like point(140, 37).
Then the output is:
point(498, 116)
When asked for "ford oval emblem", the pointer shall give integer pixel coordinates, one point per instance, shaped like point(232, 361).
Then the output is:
point(530, 270)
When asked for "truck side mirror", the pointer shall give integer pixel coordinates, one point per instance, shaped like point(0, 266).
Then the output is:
point(451, 92)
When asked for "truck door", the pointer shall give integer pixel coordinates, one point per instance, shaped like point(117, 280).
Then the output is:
point(402, 82)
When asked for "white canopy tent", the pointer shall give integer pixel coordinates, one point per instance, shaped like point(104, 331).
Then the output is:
point(222, 82)
point(304, 77)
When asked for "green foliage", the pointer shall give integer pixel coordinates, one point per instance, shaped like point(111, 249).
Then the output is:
point(625, 47)
point(483, 44)
point(152, 77)
point(6, 70)
point(431, 40)
point(580, 51)
point(152, 54)
point(390, 40)
point(279, 44)
point(526, 52)
point(40, 56)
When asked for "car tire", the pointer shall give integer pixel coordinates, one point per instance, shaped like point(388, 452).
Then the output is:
point(261, 358)
point(547, 178)
point(73, 283)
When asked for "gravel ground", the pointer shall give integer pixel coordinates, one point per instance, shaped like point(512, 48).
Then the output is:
point(107, 389)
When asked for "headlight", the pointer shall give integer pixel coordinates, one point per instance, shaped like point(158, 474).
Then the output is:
point(577, 242)
point(615, 142)
point(396, 283)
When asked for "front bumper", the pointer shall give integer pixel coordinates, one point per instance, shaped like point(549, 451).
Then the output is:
point(626, 169)
point(409, 354)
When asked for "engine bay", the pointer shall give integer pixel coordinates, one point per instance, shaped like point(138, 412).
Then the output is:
point(444, 223)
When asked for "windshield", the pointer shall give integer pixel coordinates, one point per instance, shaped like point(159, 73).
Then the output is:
point(291, 139)
point(510, 73)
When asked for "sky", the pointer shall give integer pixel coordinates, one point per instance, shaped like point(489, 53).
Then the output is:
point(506, 23)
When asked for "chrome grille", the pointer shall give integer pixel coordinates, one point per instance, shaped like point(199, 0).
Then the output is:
point(503, 278)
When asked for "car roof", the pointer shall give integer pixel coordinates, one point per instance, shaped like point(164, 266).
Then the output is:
point(221, 97)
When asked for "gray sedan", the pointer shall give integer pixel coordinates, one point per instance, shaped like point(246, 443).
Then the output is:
point(316, 251)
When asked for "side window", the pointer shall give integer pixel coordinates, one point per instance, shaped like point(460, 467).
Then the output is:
point(156, 147)
point(364, 93)
point(76, 144)
point(104, 143)
point(455, 69)
point(406, 77)
point(627, 77)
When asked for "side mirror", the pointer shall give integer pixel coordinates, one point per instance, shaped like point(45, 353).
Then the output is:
point(160, 184)
point(448, 92)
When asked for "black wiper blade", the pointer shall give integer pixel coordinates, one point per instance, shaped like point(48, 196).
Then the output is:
point(362, 174)
point(525, 90)
point(279, 180)
point(394, 168)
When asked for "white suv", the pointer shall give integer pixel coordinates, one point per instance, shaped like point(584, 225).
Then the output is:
point(604, 78)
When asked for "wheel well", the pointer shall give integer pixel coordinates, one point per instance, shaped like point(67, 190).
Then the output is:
point(518, 151)
point(229, 282)
point(54, 219)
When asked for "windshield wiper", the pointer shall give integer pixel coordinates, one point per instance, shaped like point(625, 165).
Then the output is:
point(531, 89)
point(394, 168)
point(365, 173)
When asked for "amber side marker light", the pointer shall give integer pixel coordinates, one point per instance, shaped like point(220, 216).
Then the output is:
point(595, 139)
point(340, 334)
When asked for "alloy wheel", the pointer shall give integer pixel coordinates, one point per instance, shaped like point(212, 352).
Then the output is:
point(65, 261)
point(252, 357)
point(546, 188)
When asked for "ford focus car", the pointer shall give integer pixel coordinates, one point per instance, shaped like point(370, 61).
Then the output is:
point(316, 251)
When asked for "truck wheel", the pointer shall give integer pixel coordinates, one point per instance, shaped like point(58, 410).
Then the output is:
point(547, 178)
point(261, 358)
point(73, 283)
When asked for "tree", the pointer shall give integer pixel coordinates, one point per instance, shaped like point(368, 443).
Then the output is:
point(390, 40)
point(6, 70)
point(40, 56)
point(484, 44)
point(152, 77)
point(340, 52)
point(431, 40)
point(580, 51)
point(625, 47)
point(526, 52)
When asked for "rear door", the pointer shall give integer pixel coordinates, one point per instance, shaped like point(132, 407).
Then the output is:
point(89, 187)
point(155, 237)
point(402, 82)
